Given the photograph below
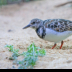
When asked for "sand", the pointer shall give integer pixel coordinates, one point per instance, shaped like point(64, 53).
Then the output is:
point(14, 17)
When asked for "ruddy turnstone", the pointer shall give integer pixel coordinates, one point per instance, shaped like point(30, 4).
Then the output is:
point(53, 30)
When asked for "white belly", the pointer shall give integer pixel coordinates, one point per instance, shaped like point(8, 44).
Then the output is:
point(54, 36)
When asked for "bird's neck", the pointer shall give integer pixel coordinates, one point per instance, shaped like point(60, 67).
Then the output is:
point(41, 31)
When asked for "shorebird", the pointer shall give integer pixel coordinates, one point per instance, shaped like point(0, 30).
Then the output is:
point(53, 30)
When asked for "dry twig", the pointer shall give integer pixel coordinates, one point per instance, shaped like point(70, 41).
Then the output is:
point(69, 2)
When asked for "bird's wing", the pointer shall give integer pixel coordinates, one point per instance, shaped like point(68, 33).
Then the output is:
point(59, 25)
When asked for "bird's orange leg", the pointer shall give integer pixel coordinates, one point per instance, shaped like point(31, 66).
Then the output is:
point(61, 44)
point(54, 46)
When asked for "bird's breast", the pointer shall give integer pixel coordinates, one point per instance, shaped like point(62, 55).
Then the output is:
point(54, 36)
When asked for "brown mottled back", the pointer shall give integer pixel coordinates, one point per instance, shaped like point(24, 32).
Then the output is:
point(59, 25)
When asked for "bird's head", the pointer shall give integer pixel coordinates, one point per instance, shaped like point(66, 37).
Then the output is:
point(34, 23)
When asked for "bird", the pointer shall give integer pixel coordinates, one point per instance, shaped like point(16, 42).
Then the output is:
point(53, 30)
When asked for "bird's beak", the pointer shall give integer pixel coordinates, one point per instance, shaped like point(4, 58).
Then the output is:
point(26, 26)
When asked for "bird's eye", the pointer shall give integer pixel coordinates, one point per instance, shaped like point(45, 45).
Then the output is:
point(33, 23)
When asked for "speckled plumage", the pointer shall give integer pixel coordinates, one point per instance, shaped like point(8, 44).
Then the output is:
point(59, 25)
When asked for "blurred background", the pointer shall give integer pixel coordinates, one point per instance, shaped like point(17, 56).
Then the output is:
point(44, 9)
point(15, 14)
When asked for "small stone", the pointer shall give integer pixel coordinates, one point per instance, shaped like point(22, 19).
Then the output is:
point(69, 61)
point(9, 30)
